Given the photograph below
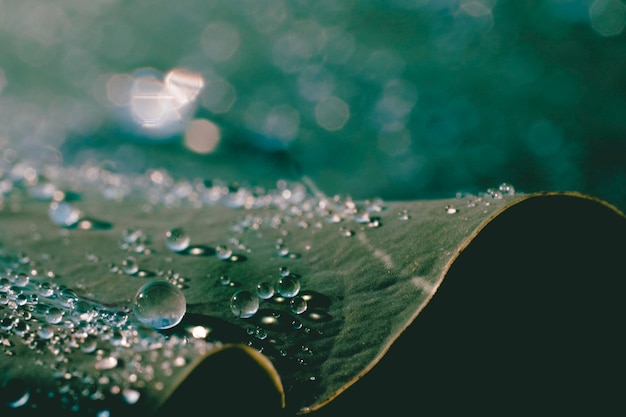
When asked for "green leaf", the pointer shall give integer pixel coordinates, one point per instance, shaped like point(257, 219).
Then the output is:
point(366, 269)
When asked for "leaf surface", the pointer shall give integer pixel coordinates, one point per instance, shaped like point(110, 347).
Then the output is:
point(365, 270)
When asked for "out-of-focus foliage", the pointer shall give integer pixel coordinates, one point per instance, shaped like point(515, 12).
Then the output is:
point(400, 99)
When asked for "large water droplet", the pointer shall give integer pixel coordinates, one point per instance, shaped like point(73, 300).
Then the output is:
point(244, 304)
point(159, 304)
point(177, 239)
point(288, 286)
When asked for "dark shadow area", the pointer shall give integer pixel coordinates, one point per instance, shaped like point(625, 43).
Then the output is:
point(528, 321)
point(229, 382)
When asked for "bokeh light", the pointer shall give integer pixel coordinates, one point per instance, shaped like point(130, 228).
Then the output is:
point(332, 113)
point(608, 17)
point(202, 136)
point(398, 99)
point(155, 105)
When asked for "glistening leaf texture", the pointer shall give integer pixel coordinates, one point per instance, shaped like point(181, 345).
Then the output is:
point(361, 271)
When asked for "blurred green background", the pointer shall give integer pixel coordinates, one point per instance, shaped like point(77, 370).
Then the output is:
point(399, 99)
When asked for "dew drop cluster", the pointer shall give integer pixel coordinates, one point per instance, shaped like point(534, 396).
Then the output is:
point(121, 354)
point(133, 346)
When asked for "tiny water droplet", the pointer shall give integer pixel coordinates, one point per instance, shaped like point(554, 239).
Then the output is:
point(244, 304)
point(20, 327)
point(132, 235)
point(224, 280)
point(282, 251)
point(89, 344)
point(346, 232)
point(223, 252)
point(54, 315)
point(264, 290)
point(159, 304)
point(495, 194)
point(177, 239)
point(130, 266)
point(107, 362)
point(45, 332)
point(260, 333)
point(506, 188)
point(362, 217)
point(403, 214)
point(63, 214)
point(298, 305)
point(450, 209)
point(84, 311)
point(21, 280)
point(6, 323)
point(46, 289)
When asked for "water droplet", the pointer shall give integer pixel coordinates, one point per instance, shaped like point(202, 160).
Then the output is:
point(346, 232)
point(298, 305)
point(131, 396)
point(130, 266)
point(506, 188)
point(282, 251)
point(84, 311)
point(288, 286)
point(45, 332)
point(224, 280)
point(450, 209)
point(264, 290)
point(223, 252)
point(21, 280)
point(159, 304)
point(362, 217)
point(132, 235)
point(177, 239)
point(6, 323)
point(107, 362)
point(54, 315)
point(46, 289)
point(63, 214)
point(20, 327)
point(403, 214)
point(67, 296)
point(244, 304)
point(15, 393)
point(89, 344)
point(493, 193)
